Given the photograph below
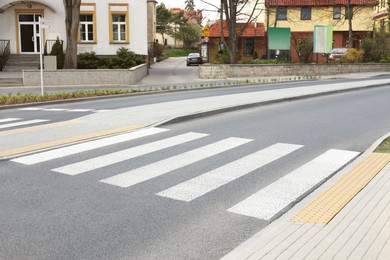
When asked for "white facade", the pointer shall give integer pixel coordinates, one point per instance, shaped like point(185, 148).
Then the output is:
point(109, 16)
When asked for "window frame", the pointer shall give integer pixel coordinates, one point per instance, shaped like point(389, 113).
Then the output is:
point(281, 11)
point(249, 43)
point(94, 30)
point(337, 14)
point(126, 23)
point(308, 8)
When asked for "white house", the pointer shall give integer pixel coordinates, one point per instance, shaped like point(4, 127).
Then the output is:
point(105, 25)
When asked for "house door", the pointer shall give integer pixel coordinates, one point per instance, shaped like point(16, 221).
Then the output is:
point(29, 33)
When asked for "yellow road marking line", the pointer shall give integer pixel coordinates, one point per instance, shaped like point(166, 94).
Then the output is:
point(38, 127)
point(330, 202)
point(35, 147)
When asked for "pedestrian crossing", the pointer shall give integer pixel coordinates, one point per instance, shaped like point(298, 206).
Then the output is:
point(15, 122)
point(64, 109)
point(198, 148)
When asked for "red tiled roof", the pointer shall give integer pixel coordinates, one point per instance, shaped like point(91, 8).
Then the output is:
point(318, 2)
point(252, 30)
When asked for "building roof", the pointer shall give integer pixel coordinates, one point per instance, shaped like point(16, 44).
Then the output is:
point(318, 2)
point(252, 30)
point(192, 16)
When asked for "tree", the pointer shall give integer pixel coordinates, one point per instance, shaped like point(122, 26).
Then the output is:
point(177, 21)
point(163, 20)
point(233, 12)
point(190, 6)
point(189, 34)
point(72, 20)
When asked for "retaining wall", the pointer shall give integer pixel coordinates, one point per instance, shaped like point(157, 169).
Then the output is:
point(224, 71)
point(85, 77)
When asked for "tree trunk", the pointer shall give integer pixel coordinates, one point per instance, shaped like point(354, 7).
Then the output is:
point(350, 32)
point(72, 20)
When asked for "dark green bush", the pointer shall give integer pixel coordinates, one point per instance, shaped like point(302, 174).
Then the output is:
point(125, 59)
point(88, 60)
point(57, 50)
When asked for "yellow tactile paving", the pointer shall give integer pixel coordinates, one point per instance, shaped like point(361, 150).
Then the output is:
point(39, 127)
point(35, 147)
point(325, 207)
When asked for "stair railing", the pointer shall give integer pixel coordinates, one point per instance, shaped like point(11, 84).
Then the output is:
point(49, 45)
point(5, 52)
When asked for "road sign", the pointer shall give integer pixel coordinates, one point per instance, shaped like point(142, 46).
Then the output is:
point(206, 31)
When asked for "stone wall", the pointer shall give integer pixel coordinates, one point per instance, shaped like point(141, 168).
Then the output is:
point(85, 77)
point(224, 71)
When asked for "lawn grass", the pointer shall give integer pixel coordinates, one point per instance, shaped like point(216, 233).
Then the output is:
point(177, 52)
point(384, 147)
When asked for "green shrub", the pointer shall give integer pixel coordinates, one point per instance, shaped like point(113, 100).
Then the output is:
point(88, 60)
point(57, 50)
point(353, 56)
point(222, 57)
point(1, 63)
point(125, 59)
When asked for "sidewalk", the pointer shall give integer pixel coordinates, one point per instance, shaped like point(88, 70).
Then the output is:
point(346, 218)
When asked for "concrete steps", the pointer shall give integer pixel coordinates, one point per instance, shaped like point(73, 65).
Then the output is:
point(20, 62)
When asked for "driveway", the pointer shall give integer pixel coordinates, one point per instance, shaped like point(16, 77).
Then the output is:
point(171, 70)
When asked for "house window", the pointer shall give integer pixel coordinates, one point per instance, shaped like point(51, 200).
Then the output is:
point(119, 23)
point(248, 46)
point(119, 27)
point(348, 14)
point(337, 12)
point(87, 29)
point(281, 13)
point(306, 13)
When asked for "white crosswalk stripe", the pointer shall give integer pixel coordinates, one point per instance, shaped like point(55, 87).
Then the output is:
point(150, 171)
point(22, 123)
point(87, 146)
point(214, 179)
point(120, 156)
point(267, 202)
point(4, 120)
point(63, 109)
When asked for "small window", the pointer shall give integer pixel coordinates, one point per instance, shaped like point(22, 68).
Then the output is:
point(337, 12)
point(306, 13)
point(248, 46)
point(281, 13)
point(119, 27)
point(348, 15)
point(119, 23)
point(86, 28)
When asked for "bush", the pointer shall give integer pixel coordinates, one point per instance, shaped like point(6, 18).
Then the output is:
point(57, 50)
point(126, 59)
point(87, 60)
point(1, 63)
point(222, 57)
point(377, 49)
point(353, 56)
point(305, 49)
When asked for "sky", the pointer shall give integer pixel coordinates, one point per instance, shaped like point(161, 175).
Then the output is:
point(208, 14)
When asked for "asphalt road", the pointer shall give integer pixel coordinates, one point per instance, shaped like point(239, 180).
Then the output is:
point(46, 214)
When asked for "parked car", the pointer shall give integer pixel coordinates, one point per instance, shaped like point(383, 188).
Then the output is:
point(194, 58)
point(337, 53)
